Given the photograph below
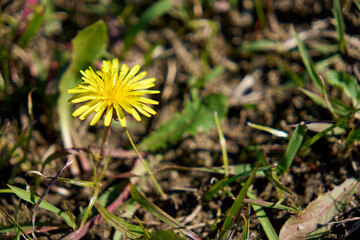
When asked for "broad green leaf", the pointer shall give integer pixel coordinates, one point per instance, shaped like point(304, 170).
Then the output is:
point(197, 116)
point(131, 231)
point(294, 145)
point(88, 45)
point(156, 211)
point(311, 222)
point(31, 198)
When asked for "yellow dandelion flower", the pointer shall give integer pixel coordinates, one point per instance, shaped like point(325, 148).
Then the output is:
point(111, 91)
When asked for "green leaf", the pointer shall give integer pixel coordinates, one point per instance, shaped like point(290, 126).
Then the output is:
point(154, 11)
point(197, 116)
point(131, 231)
point(156, 211)
point(89, 44)
point(31, 198)
point(294, 145)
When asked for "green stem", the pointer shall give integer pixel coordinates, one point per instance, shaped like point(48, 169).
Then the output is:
point(145, 164)
point(99, 173)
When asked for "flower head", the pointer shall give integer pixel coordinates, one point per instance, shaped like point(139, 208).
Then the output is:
point(112, 91)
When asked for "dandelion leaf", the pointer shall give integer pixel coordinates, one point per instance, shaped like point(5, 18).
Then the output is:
point(88, 45)
point(198, 116)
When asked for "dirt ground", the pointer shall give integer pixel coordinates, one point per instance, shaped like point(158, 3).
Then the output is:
point(210, 30)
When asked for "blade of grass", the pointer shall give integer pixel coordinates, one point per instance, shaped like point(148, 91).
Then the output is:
point(260, 13)
point(33, 26)
point(2, 132)
point(319, 126)
point(21, 139)
point(46, 190)
point(12, 220)
point(264, 220)
point(131, 231)
point(146, 166)
point(309, 65)
point(315, 138)
point(235, 208)
point(259, 46)
point(226, 181)
point(70, 215)
point(31, 198)
point(89, 207)
point(326, 95)
point(270, 130)
point(271, 174)
point(271, 205)
point(76, 182)
point(294, 145)
point(154, 11)
point(222, 144)
point(340, 26)
point(357, 3)
point(156, 211)
point(246, 229)
point(339, 107)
